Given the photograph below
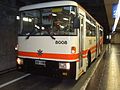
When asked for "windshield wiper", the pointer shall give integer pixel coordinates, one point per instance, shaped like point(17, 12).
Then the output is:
point(37, 29)
point(50, 34)
point(30, 34)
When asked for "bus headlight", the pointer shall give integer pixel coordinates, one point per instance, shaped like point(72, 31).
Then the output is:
point(64, 66)
point(19, 61)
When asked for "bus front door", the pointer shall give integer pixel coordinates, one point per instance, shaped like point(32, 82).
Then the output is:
point(81, 43)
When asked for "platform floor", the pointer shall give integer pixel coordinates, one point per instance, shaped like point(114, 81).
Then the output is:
point(107, 75)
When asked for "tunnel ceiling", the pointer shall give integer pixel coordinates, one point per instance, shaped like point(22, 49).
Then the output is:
point(95, 7)
point(108, 6)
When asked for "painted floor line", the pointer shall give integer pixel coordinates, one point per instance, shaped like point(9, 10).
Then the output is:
point(14, 80)
point(87, 81)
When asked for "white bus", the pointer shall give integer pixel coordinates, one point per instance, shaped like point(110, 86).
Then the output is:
point(59, 38)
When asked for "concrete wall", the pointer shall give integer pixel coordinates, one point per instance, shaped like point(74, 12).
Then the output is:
point(8, 34)
point(115, 38)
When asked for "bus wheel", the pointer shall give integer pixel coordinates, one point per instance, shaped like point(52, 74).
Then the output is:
point(89, 58)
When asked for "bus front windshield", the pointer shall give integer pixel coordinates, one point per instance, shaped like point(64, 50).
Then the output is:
point(56, 21)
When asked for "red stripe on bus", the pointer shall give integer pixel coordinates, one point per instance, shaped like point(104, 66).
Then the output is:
point(84, 52)
point(49, 55)
point(93, 51)
point(92, 48)
point(57, 56)
point(84, 56)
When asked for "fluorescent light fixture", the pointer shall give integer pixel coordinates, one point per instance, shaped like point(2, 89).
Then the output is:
point(66, 19)
point(53, 14)
point(29, 20)
point(109, 36)
point(114, 8)
point(26, 19)
point(43, 28)
point(37, 26)
point(62, 27)
point(117, 17)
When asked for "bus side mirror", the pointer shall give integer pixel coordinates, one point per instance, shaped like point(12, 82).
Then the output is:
point(76, 23)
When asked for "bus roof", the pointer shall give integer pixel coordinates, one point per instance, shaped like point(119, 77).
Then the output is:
point(48, 4)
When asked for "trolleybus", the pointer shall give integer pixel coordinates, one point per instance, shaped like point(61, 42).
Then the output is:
point(58, 37)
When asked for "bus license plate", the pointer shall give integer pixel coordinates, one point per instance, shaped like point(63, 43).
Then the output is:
point(38, 62)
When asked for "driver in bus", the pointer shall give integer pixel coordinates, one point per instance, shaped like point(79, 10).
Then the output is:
point(57, 26)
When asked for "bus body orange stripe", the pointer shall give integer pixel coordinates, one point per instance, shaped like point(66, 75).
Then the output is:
point(49, 55)
point(57, 56)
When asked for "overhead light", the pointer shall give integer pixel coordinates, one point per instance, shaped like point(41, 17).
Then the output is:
point(62, 27)
point(26, 19)
point(107, 36)
point(53, 14)
point(117, 17)
point(43, 28)
point(37, 26)
point(29, 20)
point(66, 19)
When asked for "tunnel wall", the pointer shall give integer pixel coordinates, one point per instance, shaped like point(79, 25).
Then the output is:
point(8, 34)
